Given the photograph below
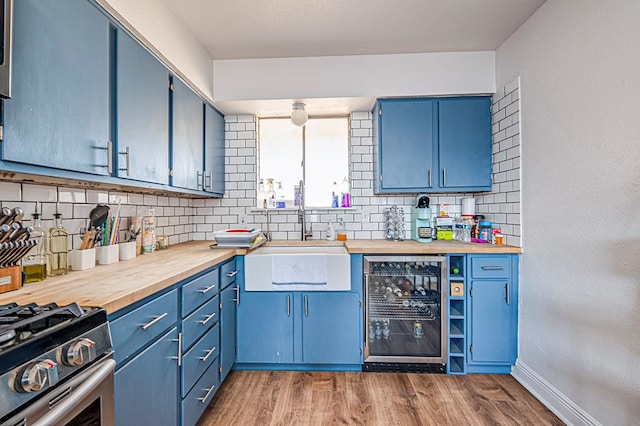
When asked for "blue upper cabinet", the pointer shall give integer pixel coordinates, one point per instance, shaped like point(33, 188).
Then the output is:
point(142, 113)
point(188, 134)
point(433, 145)
point(406, 133)
point(213, 151)
point(58, 116)
point(464, 127)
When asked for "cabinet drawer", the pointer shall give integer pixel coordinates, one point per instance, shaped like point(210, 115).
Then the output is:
point(196, 324)
point(200, 396)
point(198, 291)
point(491, 266)
point(198, 358)
point(228, 274)
point(137, 328)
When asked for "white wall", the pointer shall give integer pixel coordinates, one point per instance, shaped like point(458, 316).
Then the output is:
point(167, 36)
point(579, 65)
point(355, 76)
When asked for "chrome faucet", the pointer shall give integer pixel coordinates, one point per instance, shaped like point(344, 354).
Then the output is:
point(304, 235)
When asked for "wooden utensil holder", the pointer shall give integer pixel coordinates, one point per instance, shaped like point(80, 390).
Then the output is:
point(10, 278)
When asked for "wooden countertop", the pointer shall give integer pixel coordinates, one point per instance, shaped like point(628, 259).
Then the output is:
point(120, 284)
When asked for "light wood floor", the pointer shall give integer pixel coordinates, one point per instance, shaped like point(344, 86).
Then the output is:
point(323, 398)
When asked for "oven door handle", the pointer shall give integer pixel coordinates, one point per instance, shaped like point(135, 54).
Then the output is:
point(78, 395)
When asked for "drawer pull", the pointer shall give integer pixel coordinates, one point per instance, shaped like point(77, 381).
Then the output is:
point(232, 274)
point(508, 293)
point(207, 318)
point(153, 321)
point(206, 396)
point(209, 352)
point(206, 289)
point(493, 268)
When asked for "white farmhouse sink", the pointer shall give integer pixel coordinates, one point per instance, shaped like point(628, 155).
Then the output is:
point(309, 268)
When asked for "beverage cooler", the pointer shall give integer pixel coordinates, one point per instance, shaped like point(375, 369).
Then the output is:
point(405, 313)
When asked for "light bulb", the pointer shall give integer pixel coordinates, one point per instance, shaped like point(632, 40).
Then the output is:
point(299, 115)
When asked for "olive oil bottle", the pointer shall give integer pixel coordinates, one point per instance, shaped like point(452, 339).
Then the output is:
point(34, 264)
point(57, 248)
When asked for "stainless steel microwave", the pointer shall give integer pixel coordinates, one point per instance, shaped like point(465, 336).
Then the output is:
point(6, 20)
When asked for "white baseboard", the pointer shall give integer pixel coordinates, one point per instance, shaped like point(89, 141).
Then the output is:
point(567, 410)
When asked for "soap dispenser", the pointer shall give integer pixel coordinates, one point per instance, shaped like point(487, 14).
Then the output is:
point(331, 232)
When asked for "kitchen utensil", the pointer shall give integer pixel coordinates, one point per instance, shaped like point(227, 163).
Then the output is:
point(98, 215)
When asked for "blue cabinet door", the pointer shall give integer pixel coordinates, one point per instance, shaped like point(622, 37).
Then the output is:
point(143, 113)
point(330, 328)
point(227, 330)
point(265, 327)
point(464, 144)
point(213, 151)
point(146, 389)
point(58, 115)
point(491, 322)
point(406, 138)
point(188, 138)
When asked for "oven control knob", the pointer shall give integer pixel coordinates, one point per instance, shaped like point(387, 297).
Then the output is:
point(80, 352)
point(39, 375)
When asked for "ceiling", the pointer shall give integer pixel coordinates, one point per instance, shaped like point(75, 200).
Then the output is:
point(243, 29)
point(250, 29)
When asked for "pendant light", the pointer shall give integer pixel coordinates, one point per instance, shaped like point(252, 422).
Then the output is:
point(298, 114)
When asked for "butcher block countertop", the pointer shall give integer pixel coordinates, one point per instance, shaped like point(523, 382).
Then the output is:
point(414, 247)
point(120, 284)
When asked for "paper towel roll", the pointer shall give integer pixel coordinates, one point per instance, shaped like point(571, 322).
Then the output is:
point(468, 206)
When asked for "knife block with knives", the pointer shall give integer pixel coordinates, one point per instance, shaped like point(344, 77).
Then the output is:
point(15, 243)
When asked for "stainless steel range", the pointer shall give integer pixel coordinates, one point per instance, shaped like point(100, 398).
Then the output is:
point(56, 366)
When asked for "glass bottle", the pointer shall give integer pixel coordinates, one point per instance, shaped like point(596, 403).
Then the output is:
point(57, 248)
point(34, 264)
point(149, 232)
point(262, 194)
point(271, 194)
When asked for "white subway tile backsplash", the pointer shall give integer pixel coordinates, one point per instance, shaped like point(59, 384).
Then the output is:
point(71, 195)
point(10, 191)
point(39, 193)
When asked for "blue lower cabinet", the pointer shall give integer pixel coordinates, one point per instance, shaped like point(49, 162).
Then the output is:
point(196, 324)
point(228, 309)
point(197, 359)
point(146, 387)
point(265, 327)
point(200, 396)
point(492, 313)
point(330, 328)
point(312, 328)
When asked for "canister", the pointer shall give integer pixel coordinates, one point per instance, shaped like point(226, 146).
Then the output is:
point(485, 230)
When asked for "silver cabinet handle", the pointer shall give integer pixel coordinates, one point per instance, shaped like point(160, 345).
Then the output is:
point(429, 175)
point(206, 289)
point(153, 321)
point(208, 177)
point(232, 274)
point(237, 299)
point(306, 306)
point(493, 268)
point(127, 154)
point(209, 352)
point(207, 318)
point(200, 179)
point(288, 306)
point(179, 357)
point(204, 398)
point(444, 176)
point(506, 288)
point(110, 157)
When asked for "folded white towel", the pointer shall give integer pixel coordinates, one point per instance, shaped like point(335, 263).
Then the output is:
point(299, 269)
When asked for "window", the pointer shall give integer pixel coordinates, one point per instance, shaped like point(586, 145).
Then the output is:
point(319, 153)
